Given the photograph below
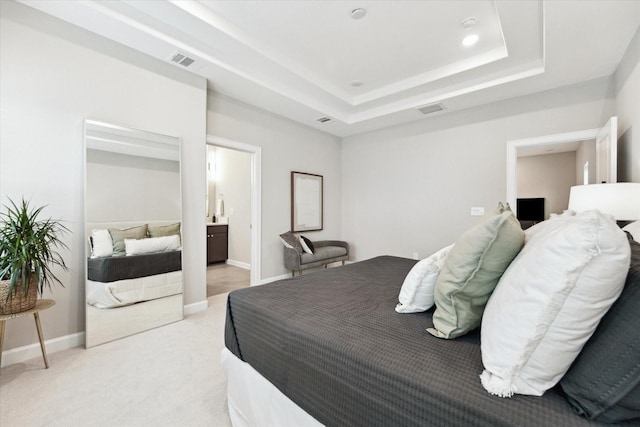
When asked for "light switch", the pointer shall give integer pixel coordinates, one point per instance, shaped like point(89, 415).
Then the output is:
point(476, 211)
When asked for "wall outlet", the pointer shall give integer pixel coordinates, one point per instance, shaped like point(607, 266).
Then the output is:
point(476, 211)
point(415, 255)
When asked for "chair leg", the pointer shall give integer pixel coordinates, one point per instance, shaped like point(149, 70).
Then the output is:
point(342, 262)
point(293, 273)
point(299, 272)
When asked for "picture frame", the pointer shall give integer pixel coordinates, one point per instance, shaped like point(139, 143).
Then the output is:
point(306, 202)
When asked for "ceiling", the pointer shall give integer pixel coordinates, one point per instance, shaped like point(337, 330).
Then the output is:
point(307, 60)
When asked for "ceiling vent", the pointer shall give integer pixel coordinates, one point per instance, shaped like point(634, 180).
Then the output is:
point(430, 109)
point(182, 59)
point(324, 119)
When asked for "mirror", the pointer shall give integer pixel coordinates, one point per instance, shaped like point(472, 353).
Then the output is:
point(133, 217)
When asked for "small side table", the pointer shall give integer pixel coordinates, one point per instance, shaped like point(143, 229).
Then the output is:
point(41, 304)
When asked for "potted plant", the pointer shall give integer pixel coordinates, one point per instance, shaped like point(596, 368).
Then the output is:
point(27, 255)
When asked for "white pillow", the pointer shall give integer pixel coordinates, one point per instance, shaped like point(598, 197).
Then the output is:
point(101, 243)
point(417, 290)
point(634, 229)
point(152, 244)
point(550, 301)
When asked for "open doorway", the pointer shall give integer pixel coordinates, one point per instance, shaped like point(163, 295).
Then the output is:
point(589, 160)
point(233, 215)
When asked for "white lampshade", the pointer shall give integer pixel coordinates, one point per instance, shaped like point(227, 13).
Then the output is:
point(622, 200)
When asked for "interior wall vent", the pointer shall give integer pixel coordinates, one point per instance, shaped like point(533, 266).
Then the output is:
point(432, 108)
point(323, 119)
point(182, 59)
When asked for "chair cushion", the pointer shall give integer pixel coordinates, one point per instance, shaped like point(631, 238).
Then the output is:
point(322, 253)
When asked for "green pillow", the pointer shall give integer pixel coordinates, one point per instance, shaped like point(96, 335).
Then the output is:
point(118, 236)
point(471, 272)
point(164, 230)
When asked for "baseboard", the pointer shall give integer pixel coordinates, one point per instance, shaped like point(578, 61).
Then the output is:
point(195, 307)
point(239, 264)
point(22, 354)
point(273, 279)
point(288, 276)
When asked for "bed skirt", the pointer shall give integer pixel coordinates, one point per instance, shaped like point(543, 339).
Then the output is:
point(254, 401)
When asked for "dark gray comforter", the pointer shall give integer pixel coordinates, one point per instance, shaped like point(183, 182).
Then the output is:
point(332, 342)
point(110, 269)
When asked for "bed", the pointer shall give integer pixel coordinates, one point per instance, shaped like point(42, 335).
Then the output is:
point(327, 348)
point(127, 294)
point(124, 280)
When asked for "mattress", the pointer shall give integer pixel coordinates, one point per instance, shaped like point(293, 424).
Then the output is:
point(131, 291)
point(332, 343)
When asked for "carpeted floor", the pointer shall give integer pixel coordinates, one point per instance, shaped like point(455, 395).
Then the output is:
point(169, 376)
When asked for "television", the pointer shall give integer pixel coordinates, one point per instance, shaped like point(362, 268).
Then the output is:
point(531, 209)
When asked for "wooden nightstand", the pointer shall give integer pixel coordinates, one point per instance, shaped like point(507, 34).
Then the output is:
point(41, 304)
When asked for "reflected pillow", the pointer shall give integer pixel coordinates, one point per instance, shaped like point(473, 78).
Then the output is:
point(471, 272)
point(417, 290)
point(101, 244)
point(151, 245)
point(164, 230)
point(118, 236)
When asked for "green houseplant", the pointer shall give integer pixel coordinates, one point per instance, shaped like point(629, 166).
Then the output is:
point(28, 252)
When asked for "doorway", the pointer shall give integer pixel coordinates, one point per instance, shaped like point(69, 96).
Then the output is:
point(542, 143)
point(252, 220)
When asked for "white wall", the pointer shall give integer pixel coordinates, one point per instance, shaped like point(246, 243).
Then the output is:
point(410, 188)
point(286, 146)
point(127, 188)
point(586, 152)
point(233, 180)
point(52, 77)
point(627, 82)
point(550, 176)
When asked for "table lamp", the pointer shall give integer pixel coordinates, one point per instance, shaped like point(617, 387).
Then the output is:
point(622, 200)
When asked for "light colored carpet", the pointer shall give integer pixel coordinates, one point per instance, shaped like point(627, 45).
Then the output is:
point(169, 376)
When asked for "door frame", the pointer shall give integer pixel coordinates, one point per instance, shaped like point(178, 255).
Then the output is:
point(256, 190)
point(547, 140)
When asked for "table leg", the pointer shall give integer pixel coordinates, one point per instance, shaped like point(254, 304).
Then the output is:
point(1, 339)
point(44, 351)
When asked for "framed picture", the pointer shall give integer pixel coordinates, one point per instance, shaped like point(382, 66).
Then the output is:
point(306, 202)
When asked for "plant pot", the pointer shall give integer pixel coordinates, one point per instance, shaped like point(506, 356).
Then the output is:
point(18, 301)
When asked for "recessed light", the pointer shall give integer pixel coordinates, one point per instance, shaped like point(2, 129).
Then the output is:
point(358, 13)
point(357, 83)
point(469, 23)
point(470, 40)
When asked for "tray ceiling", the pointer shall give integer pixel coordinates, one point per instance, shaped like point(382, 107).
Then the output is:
point(310, 59)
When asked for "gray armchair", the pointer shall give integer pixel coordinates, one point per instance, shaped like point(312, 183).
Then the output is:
point(326, 252)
